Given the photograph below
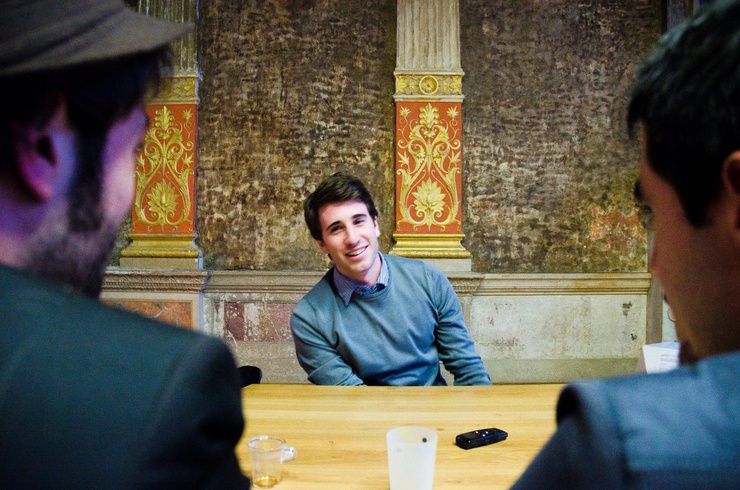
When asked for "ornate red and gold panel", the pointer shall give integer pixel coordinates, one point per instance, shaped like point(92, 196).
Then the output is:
point(165, 172)
point(163, 213)
point(428, 173)
point(429, 177)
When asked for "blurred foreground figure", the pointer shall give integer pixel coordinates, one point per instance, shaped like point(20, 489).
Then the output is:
point(92, 397)
point(681, 429)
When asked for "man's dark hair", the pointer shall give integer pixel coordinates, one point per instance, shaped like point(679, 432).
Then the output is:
point(97, 95)
point(687, 98)
point(340, 187)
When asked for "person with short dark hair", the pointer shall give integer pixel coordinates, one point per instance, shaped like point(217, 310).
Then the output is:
point(679, 429)
point(376, 319)
point(92, 397)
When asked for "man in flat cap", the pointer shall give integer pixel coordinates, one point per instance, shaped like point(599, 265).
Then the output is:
point(92, 397)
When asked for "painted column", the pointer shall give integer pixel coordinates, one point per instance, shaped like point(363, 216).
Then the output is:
point(428, 101)
point(163, 213)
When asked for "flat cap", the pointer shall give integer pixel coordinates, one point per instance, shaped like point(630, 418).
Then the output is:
point(39, 35)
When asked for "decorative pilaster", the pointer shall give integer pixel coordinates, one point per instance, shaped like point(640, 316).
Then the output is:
point(428, 101)
point(163, 213)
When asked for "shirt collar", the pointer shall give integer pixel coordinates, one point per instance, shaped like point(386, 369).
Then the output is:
point(346, 287)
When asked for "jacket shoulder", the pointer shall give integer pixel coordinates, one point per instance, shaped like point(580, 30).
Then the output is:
point(666, 420)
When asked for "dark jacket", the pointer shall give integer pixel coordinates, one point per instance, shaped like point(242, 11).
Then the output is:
point(677, 430)
point(94, 397)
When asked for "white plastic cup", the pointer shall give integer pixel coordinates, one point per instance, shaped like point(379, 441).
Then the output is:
point(411, 455)
point(267, 455)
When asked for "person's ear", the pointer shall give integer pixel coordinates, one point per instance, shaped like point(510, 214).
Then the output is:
point(731, 181)
point(45, 154)
point(35, 160)
point(377, 228)
point(322, 247)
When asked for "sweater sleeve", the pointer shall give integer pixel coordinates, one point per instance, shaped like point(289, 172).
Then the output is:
point(454, 343)
point(316, 354)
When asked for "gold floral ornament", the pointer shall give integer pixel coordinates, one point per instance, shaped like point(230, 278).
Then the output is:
point(162, 200)
point(163, 170)
point(428, 166)
point(428, 85)
point(430, 200)
point(402, 85)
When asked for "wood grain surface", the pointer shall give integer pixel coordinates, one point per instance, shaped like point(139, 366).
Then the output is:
point(339, 432)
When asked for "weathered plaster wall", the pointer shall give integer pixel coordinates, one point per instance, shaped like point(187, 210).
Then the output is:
point(527, 327)
point(549, 167)
point(293, 91)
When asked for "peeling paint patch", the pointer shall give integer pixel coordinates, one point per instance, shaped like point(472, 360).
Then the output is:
point(621, 232)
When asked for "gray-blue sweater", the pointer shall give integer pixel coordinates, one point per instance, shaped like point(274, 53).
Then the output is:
point(396, 336)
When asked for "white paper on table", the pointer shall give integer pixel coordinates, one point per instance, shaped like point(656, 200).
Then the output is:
point(657, 358)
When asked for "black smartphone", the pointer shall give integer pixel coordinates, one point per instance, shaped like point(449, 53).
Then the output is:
point(478, 438)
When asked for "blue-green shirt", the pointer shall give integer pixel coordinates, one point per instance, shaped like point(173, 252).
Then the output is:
point(347, 287)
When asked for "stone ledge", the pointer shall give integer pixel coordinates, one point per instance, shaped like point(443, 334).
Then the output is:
point(159, 280)
point(543, 284)
point(292, 282)
point(557, 370)
point(263, 281)
point(464, 283)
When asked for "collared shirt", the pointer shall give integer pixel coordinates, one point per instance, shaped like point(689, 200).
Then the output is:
point(346, 287)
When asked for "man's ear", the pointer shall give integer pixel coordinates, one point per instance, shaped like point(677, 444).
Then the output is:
point(731, 181)
point(322, 247)
point(37, 156)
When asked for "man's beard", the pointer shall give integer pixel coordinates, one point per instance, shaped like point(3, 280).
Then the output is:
point(73, 259)
point(73, 246)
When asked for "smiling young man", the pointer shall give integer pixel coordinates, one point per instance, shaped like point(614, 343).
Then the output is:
point(680, 429)
point(376, 319)
point(92, 397)
point(350, 238)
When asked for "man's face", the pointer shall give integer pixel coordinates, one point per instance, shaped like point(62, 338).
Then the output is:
point(78, 258)
point(350, 238)
point(690, 264)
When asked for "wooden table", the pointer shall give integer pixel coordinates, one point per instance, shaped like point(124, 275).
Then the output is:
point(339, 432)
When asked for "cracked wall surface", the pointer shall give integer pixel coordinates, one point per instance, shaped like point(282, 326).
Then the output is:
point(293, 91)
